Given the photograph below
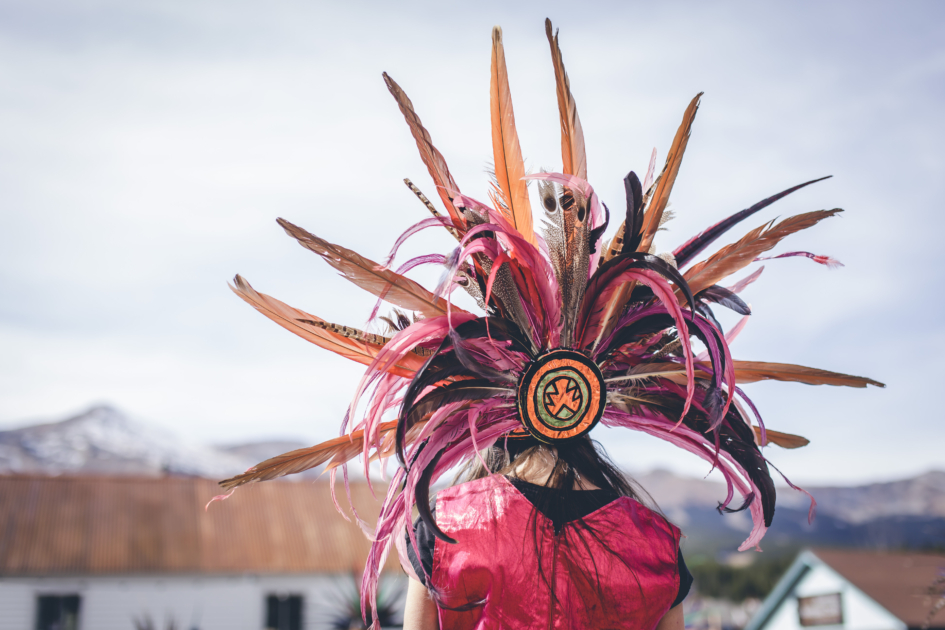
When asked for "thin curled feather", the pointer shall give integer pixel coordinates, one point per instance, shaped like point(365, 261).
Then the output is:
point(507, 153)
point(459, 391)
point(752, 371)
point(740, 254)
point(370, 276)
point(664, 186)
point(626, 240)
point(432, 158)
point(294, 320)
point(820, 259)
point(573, 156)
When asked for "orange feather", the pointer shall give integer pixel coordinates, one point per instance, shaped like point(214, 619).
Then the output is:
point(432, 158)
point(784, 440)
point(753, 371)
point(509, 165)
point(292, 319)
point(341, 448)
point(739, 255)
point(664, 186)
point(370, 276)
point(573, 156)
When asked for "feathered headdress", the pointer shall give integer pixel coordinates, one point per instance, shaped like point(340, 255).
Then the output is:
point(572, 331)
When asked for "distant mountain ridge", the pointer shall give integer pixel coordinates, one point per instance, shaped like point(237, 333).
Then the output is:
point(894, 514)
point(907, 513)
point(103, 440)
point(923, 495)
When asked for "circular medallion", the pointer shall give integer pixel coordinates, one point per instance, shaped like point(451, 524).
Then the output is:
point(561, 396)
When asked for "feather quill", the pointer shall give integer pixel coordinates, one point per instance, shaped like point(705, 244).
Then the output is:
point(509, 166)
point(426, 202)
point(359, 335)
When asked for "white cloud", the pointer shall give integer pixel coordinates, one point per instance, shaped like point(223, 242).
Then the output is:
point(147, 148)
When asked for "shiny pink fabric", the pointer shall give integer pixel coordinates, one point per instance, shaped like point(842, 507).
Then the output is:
point(491, 577)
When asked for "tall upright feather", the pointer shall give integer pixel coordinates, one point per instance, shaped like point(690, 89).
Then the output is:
point(573, 156)
point(664, 186)
point(507, 153)
point(658, 199)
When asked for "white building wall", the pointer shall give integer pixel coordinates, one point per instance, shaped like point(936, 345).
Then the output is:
point(194, 603)
point(860, 612)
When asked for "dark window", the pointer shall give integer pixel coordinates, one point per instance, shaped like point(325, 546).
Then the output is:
point(284, 612)
point(57, 612)
point(820, 610)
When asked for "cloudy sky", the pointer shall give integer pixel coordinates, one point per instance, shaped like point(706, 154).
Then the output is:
point(146, 149)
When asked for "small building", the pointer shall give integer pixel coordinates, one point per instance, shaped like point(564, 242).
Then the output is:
point(107, 553)
point(853, 590)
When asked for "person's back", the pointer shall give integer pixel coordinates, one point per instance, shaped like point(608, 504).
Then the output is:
point(614, 568)
point(553, 537)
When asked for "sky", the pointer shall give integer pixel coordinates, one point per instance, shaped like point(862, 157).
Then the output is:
point(147, 148)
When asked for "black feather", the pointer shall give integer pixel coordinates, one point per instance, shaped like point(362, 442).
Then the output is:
point(608, 271)
point(597, 232)
point(475, 389)
point(704, 310)
point(722, 296)
point(470, 363)
point(688, 250)
point(422, 491)
point(650, 324)
point(444, 363)
point(734, 437)
point(445, 366)
point(633, 224)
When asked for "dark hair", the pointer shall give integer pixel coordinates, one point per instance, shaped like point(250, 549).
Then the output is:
point(576, 462)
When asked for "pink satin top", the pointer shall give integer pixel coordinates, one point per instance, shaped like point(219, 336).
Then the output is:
point(509, 569)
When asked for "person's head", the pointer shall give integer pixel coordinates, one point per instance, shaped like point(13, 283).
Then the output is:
point(580, 463)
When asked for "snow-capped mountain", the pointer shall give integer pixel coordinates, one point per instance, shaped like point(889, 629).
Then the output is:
point(923, 495)
point(103, 440)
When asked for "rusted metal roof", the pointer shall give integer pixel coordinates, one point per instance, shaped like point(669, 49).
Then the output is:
point(899, 582)
point(127, 525)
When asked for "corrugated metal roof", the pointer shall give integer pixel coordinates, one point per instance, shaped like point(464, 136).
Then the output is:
point(122, 525)
point(899, 582)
